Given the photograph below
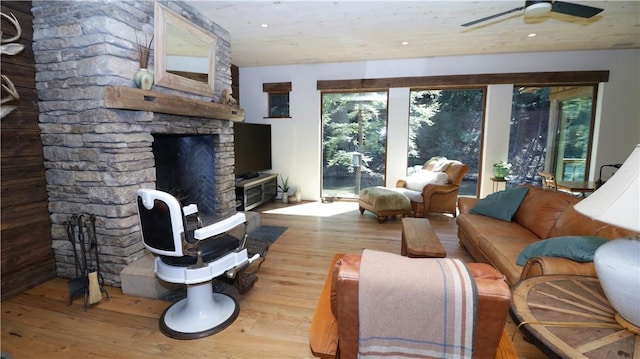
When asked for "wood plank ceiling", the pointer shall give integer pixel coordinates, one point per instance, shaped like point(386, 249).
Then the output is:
point(303, 32)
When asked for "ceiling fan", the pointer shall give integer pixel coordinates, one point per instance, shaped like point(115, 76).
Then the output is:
point(540, 8)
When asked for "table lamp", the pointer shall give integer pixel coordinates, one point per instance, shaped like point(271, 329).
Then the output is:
point(617, 262)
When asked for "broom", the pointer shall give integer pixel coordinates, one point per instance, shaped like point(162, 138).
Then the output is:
point(94, 287)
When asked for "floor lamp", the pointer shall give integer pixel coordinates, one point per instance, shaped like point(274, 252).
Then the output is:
point(617, 262)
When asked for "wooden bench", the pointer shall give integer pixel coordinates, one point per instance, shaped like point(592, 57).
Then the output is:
point(419, 240)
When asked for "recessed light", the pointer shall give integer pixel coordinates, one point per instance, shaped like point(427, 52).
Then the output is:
point(405, 43)
point(264, 25)
point(532, 35)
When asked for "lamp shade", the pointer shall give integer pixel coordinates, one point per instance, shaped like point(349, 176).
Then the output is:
point(617, 202)
point(617, 262)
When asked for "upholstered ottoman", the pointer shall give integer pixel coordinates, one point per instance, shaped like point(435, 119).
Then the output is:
point(384, 202)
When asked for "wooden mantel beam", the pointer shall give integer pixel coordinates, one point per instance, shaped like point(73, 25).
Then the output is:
point(128, 98)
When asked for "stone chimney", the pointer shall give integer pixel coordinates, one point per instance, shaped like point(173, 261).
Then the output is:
point(95, 157)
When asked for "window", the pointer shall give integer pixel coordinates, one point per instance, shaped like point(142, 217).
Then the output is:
point(354, 138)
point(278, 98)
point(447, 123)
point(440, 125)
point(551, 130)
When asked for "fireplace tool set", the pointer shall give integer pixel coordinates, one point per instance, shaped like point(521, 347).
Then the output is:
point(88, 281)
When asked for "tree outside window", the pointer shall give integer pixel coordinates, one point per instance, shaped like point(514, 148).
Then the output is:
point(354, 137)
point(447, 123)
point(551, 132)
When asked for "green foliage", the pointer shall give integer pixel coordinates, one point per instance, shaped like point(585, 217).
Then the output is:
point(446, 123)
point(354, 123)
point(531, 123)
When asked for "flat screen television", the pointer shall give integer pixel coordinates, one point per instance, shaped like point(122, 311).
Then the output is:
point(252, 147)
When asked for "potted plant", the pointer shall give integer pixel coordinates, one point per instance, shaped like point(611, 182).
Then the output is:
point(501, 169)
point(284, 187)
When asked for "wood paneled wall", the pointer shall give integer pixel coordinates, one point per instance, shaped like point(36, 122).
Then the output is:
point(26, 256)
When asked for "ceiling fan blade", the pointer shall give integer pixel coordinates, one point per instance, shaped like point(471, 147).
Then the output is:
point(492, 16)
point(575, 9)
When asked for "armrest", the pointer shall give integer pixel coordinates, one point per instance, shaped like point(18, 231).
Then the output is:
point(323, 333)
point(431, 188)
point(537, 266)
point(494, 299)
point(190, 209)
point(220, 227)
point(436, 189)
point(466, 203)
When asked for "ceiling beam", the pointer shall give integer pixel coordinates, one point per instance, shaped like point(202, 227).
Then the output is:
point(521, 79)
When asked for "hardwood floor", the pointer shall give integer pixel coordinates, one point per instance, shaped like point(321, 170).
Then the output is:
point(274, 316)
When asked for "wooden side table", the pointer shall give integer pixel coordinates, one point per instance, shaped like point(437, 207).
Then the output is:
point(498, 182)
point(570, 317)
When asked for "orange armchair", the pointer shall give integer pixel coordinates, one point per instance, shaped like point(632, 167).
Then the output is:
point(334, 328)
point(439, 198)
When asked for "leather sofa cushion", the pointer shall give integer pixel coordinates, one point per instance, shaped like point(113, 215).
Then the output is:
point(573, 223)
point(477, 225)
point(540, 210)
point(466, 203)
point(502, 250)
point(499, 241)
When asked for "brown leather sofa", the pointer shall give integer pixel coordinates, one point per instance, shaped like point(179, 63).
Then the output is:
point(437, 198)
point(334, 328)
point(542, 214)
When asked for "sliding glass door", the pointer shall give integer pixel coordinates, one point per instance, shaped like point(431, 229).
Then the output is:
point(354, 138)
point(551, 130)
point(573, 138)
point(447, 123)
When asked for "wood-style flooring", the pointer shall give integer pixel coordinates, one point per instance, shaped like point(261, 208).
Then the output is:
point(274, 316)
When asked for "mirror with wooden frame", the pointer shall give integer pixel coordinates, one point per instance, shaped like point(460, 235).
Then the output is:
point(185, 57)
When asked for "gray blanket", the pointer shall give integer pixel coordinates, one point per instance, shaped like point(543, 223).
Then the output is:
point(415, 308)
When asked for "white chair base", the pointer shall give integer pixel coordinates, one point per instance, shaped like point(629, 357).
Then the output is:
point(200, 314)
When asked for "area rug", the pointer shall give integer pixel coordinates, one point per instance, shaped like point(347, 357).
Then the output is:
point(258, 241)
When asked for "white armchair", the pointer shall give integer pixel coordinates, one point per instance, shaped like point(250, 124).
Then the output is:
point(434, 188)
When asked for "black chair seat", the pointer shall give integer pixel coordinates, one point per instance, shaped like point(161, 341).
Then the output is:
point(211, 249)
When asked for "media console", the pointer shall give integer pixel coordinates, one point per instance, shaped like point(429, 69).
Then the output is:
point(251, 193)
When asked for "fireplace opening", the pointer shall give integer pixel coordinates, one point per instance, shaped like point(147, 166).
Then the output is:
point(186, 168)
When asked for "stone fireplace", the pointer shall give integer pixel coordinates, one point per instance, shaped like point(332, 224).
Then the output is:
point(97, 157)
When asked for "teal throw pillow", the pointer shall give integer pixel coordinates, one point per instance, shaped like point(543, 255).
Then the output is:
point(501, 205)
point(577, 248)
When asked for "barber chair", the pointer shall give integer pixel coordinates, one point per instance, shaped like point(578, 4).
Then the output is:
point(335, 325)
point(186, 252)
